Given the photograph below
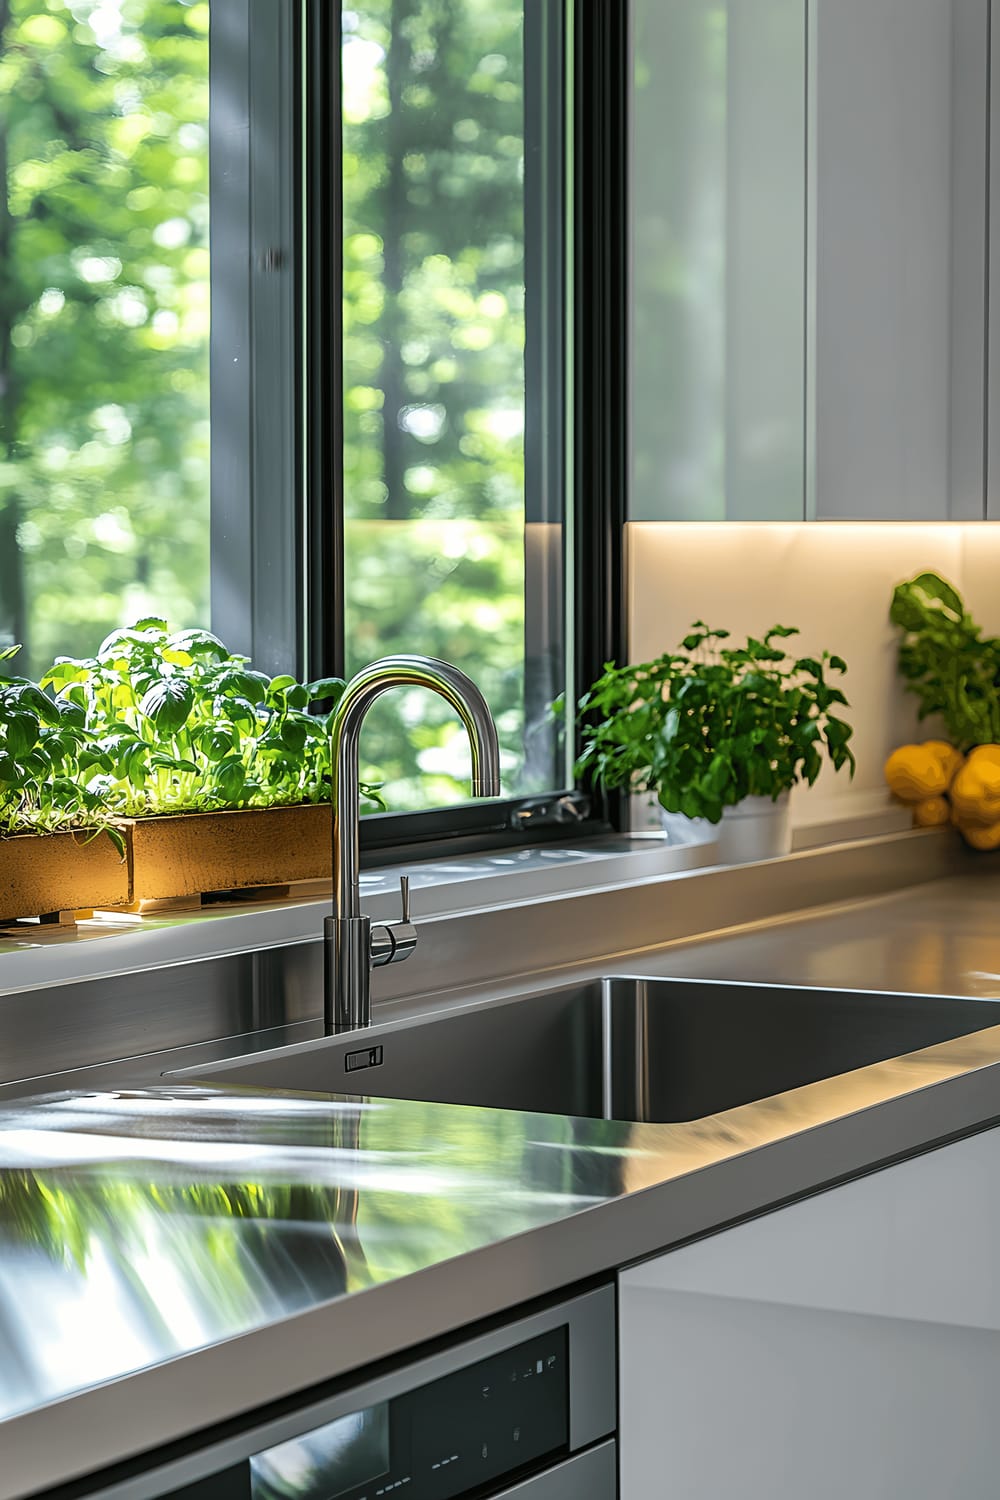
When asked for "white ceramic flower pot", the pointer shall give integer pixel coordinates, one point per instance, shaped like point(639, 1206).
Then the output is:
point(755, 828)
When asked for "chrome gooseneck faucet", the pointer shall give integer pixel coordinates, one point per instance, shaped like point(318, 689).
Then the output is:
point(353, 947)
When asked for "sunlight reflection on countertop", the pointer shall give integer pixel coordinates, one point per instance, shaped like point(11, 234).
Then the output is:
point(139, 1226)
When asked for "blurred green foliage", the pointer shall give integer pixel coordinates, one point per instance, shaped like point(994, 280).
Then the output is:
point(104, 326)
point(434, 296)
point(104, 318)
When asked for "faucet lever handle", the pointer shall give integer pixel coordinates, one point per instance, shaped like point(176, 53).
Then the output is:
point(392, 942)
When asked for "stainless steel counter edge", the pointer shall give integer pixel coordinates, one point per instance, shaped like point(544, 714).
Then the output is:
point(85, 1433)
point(102, 951)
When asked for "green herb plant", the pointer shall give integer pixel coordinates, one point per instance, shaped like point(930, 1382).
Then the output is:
point(947, 661)
point(707, 725)
point(179, 724)
point(43, 749)
point(160, 722)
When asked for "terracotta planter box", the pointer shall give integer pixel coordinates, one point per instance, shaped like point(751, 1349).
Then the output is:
point(228, 851)
point(53, 872)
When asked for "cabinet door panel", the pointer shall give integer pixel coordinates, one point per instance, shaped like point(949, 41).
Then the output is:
point(846, 1345)
point(762, 1402)
point(992, 323)
point(718, 279)
point(898, 98)
point(809, 205)
point(970, 272)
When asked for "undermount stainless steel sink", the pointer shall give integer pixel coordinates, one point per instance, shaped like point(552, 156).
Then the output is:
point(619, 1048)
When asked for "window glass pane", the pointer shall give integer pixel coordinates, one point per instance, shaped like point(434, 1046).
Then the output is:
point(453, 523)
point(104, 319)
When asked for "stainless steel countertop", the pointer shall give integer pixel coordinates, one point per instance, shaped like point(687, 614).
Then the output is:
point(172, 1258)
point(942, 938)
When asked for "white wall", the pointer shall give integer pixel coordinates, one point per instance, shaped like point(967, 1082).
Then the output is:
point(834, 582)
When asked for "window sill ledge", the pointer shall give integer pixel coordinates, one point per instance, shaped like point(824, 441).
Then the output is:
point(113, 944)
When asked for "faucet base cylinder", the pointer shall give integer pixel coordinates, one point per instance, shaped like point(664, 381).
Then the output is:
point(346, 958)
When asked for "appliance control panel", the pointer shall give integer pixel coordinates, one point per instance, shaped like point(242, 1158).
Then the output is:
point(454, 1437)
point(490, 1420)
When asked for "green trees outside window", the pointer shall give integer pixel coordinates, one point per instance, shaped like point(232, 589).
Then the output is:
point(104, 319)
point(434, 365)
point(104, 354)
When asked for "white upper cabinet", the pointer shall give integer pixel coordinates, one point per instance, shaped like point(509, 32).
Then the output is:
point(897, 190)
point(718, 259)
point(809, 235)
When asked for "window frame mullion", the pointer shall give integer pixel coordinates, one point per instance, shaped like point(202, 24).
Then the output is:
point(322, 414)
point(255, 289)
point(602, 85)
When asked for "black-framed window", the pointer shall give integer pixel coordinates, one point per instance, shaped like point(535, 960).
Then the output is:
point(434, 359)
point(562, 123)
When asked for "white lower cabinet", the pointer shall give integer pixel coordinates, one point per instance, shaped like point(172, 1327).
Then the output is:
point(846, 1347)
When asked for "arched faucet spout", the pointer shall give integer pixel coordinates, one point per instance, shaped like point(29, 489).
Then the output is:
point(351, 952)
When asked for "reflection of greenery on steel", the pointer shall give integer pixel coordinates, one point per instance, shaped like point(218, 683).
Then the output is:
point(707, 725)
point(221, 1233)
point(333, 1200)
point(159, 722)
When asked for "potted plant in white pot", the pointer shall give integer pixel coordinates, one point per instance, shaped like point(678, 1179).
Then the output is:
point(718, 733)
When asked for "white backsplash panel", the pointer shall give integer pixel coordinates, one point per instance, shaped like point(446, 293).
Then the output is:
point(834, 581)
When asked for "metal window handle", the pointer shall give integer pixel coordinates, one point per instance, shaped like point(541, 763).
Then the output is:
point(547, 812)
point(404, 896)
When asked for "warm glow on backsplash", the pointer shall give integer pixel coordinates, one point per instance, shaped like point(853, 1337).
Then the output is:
point(831, 579)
